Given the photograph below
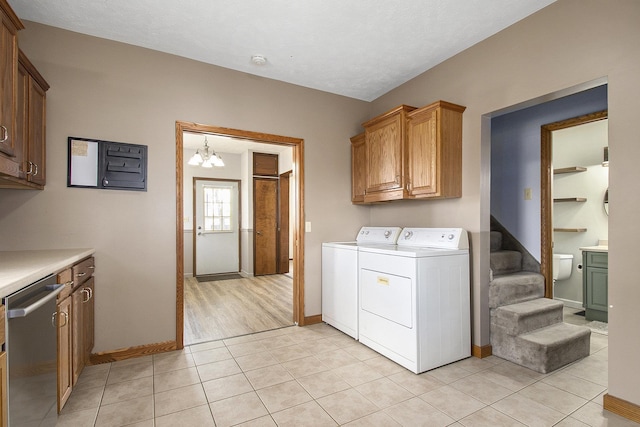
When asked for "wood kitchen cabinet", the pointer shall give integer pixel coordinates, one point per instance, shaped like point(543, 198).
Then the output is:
point(385, 147)
point(434, 154)
point(65, 371)
point(82, 319)
point(75, 325)
point(358, 172)
point(9, 165)
point(411, 153)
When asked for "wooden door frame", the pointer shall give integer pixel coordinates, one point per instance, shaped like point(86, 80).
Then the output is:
point(282, 214)
point(297, 145)
point(546, 183)
point(239, 182)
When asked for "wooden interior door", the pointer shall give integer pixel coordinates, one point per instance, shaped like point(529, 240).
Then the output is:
point(283, 227)
point(265, 223)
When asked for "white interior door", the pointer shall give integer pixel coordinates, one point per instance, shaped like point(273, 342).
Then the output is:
point(217, 238)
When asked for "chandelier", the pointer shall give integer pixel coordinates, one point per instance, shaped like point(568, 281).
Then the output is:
point(207, 158)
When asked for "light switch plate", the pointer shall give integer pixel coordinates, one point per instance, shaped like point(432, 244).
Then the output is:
point(307, 227)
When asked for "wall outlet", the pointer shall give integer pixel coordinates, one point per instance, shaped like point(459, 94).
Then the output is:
point(528, 194)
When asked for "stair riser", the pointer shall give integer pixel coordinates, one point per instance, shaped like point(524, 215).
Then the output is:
point(533, 316)
point(543, 359)
point(506, 294)
point(522, 325)
point(496, 241)
point(505, 262)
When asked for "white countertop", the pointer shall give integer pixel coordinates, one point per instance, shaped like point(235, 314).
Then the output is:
point(598, 248)
point(21, 268)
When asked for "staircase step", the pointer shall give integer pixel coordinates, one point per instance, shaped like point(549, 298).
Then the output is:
point(546, 349)
point(524, 317)
point(495, 237)
point(514, 288)
point(505, 262)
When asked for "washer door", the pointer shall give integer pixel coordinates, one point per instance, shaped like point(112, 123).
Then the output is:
point(387, 295)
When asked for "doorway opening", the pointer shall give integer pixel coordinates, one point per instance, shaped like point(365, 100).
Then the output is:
point(297, 194)
point(574, 201)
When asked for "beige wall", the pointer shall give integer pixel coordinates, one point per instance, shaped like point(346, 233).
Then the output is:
point(112, 91)
point(566, 44)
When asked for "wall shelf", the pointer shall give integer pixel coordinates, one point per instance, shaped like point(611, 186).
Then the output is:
point(570, 230)
point(571, 199)
point(570, 169)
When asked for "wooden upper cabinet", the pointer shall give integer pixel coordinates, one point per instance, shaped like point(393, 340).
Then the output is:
point(410, 154)
point(385, 141)
point(9, 165)
point(265, 164)
point(358, 172)
point(435, 151)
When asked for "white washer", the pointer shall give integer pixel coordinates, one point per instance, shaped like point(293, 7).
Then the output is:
point(415, 298)
point(340, 276)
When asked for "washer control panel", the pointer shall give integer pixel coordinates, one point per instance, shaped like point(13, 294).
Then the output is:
point(385, 235)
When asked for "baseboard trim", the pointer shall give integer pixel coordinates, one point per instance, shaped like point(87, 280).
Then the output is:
point(570, 303)
point(132, 352)
point(481, 352)
point(312, 320)
point(621, 407)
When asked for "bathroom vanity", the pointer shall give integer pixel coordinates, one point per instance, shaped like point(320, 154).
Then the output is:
point(595, 282)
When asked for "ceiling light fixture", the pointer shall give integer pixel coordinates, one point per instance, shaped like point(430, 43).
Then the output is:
point(206, 159)
point(258, 60)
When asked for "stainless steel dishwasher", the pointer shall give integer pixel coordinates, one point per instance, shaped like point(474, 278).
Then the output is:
point(32, 354)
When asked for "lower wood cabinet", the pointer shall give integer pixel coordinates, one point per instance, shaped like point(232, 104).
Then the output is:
point(75, 325)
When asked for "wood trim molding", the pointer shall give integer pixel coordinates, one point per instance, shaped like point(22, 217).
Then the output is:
point(546, 182)
point(621, 407)
point(310, 320)
point(481, 352)
point(297, 145)
point(132, 352)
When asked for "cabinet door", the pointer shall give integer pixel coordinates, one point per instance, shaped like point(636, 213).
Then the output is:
point(3, 390)
point(36, 135)
point(384, 149)
point(358, 172)
point(597, 288)
point(88, 316)
point(8, 92)
point(64, 352)
point(77, 333)
point(423, 156)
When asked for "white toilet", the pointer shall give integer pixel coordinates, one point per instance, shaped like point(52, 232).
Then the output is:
point(562, 264)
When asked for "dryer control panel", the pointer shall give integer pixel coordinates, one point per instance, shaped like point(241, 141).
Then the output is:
point(449, 238)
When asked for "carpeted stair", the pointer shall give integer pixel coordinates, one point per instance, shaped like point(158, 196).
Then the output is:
point(527, 328)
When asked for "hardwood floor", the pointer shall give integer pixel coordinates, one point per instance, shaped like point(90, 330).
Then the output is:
point(229, 308)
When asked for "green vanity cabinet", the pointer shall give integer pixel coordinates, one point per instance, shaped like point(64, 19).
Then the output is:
point(595, 285)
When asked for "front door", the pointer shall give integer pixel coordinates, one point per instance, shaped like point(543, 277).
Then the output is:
point(265, 223)
point(216, 231)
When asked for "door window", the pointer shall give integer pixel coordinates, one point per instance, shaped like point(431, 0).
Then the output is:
point(217, 208)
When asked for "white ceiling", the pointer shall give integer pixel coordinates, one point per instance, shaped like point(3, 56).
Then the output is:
point(359, 49)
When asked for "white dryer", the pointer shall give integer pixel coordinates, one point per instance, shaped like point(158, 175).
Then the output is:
point(415, 303)
point(340, 276)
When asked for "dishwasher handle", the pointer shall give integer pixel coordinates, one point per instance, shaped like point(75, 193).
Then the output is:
point(54, 290)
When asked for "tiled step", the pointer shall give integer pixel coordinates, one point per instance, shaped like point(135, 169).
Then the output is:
point(546, 349)
point(524, 317)
point(505, 262)
point(514, 288)
point(496, 241)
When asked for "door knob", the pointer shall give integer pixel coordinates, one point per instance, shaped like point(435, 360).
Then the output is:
point(259, 233)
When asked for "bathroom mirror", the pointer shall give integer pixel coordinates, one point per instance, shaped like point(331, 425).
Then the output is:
point(606, 202)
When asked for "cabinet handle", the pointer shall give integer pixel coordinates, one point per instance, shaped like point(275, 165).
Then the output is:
point(5, 133)
point(54, 316)
point(36, 172)
point(30, 171)
point(87, 292)
point(66, 318)
point(81, 274)
point(69, 283)
point(91, 267)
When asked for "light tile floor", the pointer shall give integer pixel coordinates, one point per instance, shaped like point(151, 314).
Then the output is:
point(317, 376)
